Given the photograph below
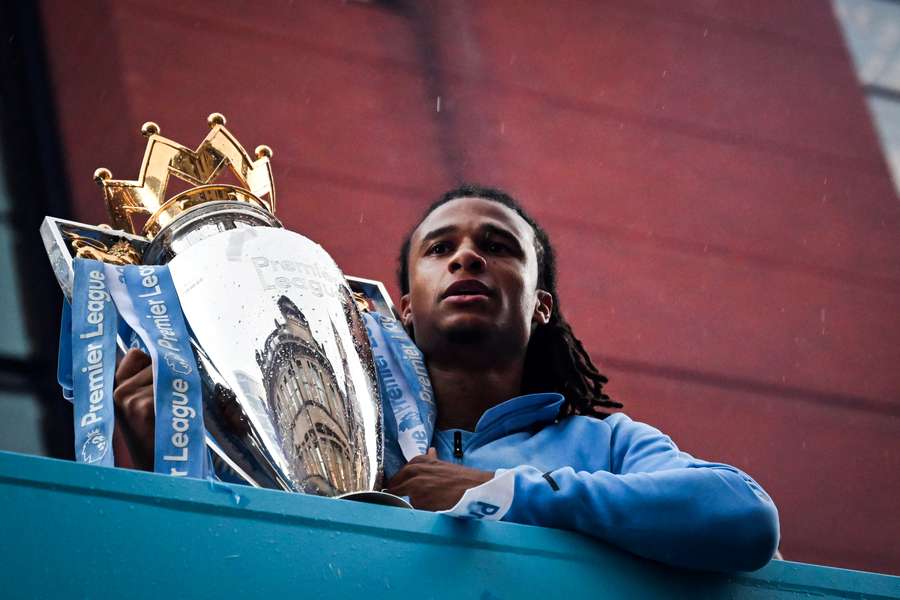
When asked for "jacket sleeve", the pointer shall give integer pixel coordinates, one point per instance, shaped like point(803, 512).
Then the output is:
point(657, 502)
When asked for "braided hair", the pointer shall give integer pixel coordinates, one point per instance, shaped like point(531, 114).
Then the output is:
point(556, 360)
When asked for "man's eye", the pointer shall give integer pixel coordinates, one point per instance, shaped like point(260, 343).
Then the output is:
point(438, 248)
point(496, 247)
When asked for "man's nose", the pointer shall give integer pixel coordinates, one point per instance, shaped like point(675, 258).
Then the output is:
point(467, 258)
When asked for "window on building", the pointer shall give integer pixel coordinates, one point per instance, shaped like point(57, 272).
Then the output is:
point(872, 32)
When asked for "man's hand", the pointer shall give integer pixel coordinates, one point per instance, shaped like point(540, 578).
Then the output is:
point(135, 417)
point(433, 484)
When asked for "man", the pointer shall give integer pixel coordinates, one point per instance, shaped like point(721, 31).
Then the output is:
point(515, 390)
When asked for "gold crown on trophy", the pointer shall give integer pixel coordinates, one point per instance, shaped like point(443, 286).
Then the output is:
point(163, 158)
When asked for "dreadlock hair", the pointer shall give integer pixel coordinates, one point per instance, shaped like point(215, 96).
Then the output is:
point(556, 360)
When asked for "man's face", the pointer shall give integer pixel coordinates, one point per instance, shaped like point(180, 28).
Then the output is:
point(473, 278)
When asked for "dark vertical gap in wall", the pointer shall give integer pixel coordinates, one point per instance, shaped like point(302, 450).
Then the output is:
point(438, 88)
point(442, 29)
point(429, 21)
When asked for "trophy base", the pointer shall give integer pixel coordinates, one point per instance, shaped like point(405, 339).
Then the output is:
point(382, 498)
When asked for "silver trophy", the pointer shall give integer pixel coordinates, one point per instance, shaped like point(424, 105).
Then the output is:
point(289, 388)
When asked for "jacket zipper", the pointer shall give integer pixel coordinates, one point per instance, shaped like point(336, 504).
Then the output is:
point(457, 444)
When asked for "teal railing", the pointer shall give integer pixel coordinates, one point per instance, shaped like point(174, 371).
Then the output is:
point(76, 531)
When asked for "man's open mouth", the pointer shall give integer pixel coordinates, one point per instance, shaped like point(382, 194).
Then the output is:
point(467, 287)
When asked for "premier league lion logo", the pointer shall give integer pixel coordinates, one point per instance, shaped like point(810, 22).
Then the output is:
point(409, 421)
point(95, 447)
point(178, 364)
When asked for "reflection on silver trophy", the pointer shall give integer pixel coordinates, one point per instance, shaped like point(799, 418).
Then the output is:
point(289, 389)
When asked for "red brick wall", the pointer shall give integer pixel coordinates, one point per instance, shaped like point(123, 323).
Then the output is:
point(727, 227)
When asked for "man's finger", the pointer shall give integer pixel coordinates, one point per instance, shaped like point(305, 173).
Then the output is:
point(401, 476)
point(143, 378)
point(428, 457)
point(395, 484)
point(414, 468)
point(397, 490)
point(133, 361)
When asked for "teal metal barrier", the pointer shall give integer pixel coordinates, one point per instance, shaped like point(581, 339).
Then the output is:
point(76, 531)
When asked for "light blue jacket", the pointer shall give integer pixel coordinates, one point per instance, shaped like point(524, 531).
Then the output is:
point(620, 481)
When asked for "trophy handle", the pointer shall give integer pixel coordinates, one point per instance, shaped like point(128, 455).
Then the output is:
point(373, 294)
point(66, 240)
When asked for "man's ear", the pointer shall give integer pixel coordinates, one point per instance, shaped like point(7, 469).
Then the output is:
point(405, 311)
point(543, 308)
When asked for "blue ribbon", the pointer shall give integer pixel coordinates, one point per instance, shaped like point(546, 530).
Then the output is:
point(93, 362)
point(146, 298)
point(405, 389)
point(152, 320)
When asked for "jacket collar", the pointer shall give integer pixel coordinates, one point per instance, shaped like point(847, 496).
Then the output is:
point(519, 413)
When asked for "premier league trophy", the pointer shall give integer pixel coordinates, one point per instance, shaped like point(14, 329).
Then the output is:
point(289, 393)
